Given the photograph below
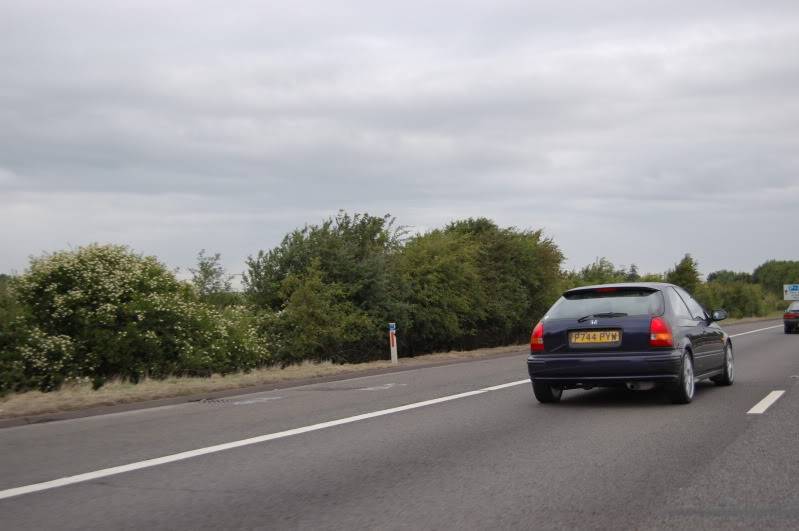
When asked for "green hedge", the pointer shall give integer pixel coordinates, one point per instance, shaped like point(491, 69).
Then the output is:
point(103, 312)
point(740, 299)
point(328, 291)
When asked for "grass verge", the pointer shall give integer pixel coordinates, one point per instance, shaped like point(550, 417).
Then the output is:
point(744, 320)
point(81, 396)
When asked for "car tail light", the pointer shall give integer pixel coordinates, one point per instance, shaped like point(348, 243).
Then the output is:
point(660, 333)
point(537, 338)
point(790, 316)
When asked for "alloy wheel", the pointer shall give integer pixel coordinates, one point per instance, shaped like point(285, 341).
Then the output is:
point(688, 377)
point(730, 363)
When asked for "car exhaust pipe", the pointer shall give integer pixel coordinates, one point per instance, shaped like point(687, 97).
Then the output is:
point(640, 386)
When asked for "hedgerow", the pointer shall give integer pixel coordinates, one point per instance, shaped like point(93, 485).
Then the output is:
point(327, 292)
point(103, 311)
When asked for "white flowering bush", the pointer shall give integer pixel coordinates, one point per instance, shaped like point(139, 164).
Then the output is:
point(39, 360)
point(102, 311)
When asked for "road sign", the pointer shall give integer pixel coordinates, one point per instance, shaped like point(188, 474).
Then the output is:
point(791, 292)
point(392, 342)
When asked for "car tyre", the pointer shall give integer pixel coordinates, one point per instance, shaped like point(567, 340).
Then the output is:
point(787, 329)
point(546, 393)
point(682, 392)
point(728, 372)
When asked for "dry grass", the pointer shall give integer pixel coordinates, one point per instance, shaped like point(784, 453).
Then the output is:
point(81, 396)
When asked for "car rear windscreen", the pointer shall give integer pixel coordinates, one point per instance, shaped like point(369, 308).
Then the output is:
point(577, 304)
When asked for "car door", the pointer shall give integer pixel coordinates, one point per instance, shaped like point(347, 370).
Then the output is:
point(685, 321)
point(714, 339)
point(715, 343)
point(705, 351)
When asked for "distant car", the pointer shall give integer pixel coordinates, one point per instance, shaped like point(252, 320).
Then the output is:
point(632, 334)
point(791, 318)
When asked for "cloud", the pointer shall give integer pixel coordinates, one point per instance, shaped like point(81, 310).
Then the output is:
point(633, 130)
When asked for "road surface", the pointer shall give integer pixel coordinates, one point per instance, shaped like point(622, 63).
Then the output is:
point(463, 446)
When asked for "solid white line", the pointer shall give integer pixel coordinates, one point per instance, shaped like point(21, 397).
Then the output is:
point(766, 403)
point(88, 476)
point(758, 330)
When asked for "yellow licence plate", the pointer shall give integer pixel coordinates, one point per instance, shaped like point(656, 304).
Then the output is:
point(594, 337)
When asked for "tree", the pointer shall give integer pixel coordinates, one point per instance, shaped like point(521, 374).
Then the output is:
point(632, 274)
point(519, 274)
point(773, 274)
point(9, 307)
point(11, 332)
point(685, 274)
point(352, 250)
point(725, 275)
point(318, 322)
point(351, 253)
point(740, 299)
point(601, 271)
point(438, 279)
point(212, 281)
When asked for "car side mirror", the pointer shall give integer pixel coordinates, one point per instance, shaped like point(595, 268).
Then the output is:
point(718, 315)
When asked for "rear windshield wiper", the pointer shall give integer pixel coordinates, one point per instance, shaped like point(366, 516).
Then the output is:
point(607, 314)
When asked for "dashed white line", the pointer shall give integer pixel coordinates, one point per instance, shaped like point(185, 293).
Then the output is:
point(80, 478)
point(383, 387)
point(258, 400)
point(766, 403)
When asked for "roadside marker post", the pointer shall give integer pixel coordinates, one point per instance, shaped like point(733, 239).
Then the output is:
point(392, 342)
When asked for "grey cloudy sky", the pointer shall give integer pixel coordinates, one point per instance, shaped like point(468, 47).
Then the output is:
point(633, 130)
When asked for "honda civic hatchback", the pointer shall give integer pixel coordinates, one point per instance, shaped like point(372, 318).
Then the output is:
point(634, 335)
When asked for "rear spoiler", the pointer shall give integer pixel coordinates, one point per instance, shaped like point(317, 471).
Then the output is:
point(577, 293)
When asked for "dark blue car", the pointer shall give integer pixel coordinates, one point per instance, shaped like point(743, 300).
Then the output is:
point(633, 334)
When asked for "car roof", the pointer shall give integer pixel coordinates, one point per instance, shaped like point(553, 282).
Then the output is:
point(646, 285)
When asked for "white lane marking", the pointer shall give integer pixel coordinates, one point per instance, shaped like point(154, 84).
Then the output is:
point(381, 387)
point(766, 403)
point(88, 476)
point(758, 330)
point(256, 400)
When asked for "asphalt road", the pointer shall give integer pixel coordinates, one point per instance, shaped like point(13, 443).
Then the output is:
point(372, 453)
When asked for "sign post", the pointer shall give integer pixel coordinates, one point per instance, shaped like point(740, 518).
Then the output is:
point(791, 292)
point(392, 342)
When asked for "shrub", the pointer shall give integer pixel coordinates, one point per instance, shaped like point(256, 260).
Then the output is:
point(740, 299)
point(438, 279)
point(348, 260)
point(685, 274)
point(471, 284)
point(318, 322)
point(474, 284)
point(102, 312)
point(773, 274)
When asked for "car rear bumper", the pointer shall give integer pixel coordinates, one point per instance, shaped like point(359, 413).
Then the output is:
point(603, 370)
